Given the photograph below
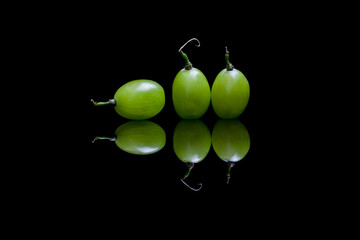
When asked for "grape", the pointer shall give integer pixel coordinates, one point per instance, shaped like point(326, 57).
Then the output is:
point(138, 100)
point(190, 90)
point(231, 141)
point(139, 137)
point(230, 92)
point(190, 94)
point(191, 142)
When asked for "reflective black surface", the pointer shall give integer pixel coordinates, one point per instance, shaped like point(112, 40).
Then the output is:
point(148, 162)
point(88, 52)
point(191, 142)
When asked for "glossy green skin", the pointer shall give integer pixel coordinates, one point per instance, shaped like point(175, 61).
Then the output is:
point(230, 94)
point(139, 99)
point(190, 94)
point(191, 141)
point(230, 140)
point(140, 137)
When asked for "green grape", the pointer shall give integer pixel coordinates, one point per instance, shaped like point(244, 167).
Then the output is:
point(230, 92)
point(231, 141)
point(191, 142)
point(138, 99)
point(139, 137)
point(190, 91)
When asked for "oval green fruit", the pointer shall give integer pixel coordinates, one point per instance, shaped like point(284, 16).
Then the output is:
point(191, 141)
point(140, 137)
point(139, 99)
point(230, 140)
point(190, 93)
point(230, 94)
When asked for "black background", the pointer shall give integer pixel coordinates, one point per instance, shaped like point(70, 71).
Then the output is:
point(106, 51)
point(90, 51)
point(145, 53)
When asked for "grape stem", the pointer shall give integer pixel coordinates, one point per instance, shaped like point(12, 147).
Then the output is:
point(111, 102)
point(104, 138)
point(190, 166)
point(194, 189)
point(229, 66)
point(230, 165)
point(190, 41)
point(188, 65)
